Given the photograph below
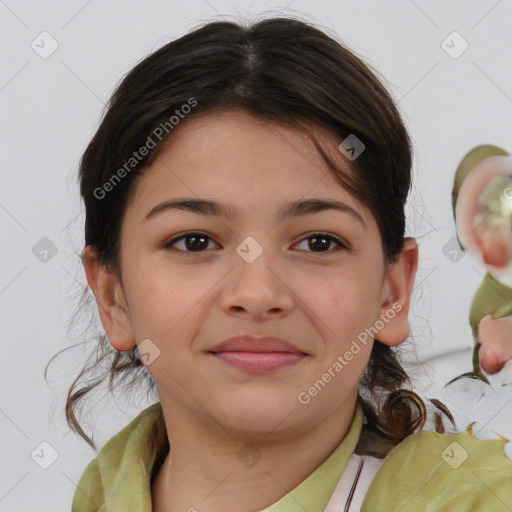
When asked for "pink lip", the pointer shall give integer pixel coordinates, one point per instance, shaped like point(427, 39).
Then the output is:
point(257, 354)
point(249, 343)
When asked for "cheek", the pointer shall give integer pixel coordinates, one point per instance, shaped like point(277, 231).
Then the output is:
point(345, 307)
point(348, 302)
point(162, 300)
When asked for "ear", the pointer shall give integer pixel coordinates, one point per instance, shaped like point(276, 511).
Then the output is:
point(395, 298)
point(112, 306)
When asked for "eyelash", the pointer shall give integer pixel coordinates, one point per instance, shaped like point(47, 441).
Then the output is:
point(168, 245)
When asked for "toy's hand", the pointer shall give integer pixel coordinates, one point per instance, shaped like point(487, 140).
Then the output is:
point(494, 244)
point(496, 340)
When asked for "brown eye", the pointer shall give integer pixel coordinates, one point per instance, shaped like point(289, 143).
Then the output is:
point(192, 242)
point(319, 242)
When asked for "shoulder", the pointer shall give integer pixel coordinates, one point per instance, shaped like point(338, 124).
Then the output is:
point(430, 471)
point(137, 441)
point(89, 494)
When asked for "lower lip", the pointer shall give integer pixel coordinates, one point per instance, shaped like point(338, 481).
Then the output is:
point(260, 361)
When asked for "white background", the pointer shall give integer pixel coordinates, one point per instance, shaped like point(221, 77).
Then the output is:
point(51, 108)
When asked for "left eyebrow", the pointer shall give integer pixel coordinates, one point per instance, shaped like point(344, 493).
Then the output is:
point(297, 208)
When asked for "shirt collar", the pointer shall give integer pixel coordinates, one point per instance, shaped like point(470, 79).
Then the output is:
point(314, 492)
point(130, 459)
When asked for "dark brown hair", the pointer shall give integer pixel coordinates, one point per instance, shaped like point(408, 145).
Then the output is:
point(278, 69)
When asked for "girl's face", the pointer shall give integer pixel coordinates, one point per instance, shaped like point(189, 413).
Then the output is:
point(249, 271)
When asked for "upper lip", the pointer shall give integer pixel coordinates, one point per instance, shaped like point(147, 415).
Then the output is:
point(251, 343)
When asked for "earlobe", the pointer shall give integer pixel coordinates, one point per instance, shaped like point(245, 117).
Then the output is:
point(112, 306)
point(397, 289)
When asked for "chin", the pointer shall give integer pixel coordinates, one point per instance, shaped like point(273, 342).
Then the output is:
point(262, 420)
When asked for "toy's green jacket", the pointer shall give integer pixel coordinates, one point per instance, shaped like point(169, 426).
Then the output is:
point(492, 297)
point(426, 472)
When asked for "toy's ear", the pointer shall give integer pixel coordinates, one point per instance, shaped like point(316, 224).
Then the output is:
point(483, 211)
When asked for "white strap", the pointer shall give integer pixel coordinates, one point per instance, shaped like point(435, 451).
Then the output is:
point(351, 488)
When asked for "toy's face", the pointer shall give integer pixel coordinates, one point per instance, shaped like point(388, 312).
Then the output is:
point(484, 215)
point(492, 222)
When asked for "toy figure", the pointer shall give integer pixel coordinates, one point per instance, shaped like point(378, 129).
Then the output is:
point(482, 209)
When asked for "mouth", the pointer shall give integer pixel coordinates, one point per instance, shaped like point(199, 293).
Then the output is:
point(259, 362)
point(257, 353)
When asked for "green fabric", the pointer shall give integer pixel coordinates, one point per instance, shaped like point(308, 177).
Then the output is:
point(492, 297)
point(119, 478)
point(314, 492)
point(413, 477)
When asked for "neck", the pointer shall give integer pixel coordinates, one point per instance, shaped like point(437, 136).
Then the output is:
point(209, 469)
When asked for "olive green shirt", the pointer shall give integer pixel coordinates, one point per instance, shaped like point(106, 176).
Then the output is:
point(491, 297)
point(425, 472)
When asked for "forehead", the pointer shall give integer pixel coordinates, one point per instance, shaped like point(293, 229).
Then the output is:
point(241, 160)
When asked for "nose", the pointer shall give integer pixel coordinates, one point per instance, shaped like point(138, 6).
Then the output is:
point(257, 289)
